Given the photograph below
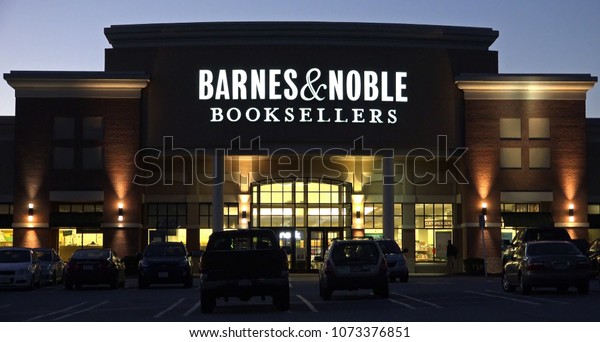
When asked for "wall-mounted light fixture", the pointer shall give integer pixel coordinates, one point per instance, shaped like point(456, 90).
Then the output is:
point(120, 212)
point(571, 212)
point(484, 210)
point(244, 217)
point(30, 212)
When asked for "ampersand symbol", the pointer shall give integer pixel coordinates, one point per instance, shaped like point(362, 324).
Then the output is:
point(309, 86)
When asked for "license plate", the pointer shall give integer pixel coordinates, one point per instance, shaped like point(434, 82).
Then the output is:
point(245, 282)
point(561, 265)
point(163, 274)
point(88, 267)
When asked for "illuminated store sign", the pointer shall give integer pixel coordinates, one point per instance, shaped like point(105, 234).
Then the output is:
point(278, 85)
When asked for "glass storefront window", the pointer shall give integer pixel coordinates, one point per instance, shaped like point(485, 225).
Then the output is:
point(6, 237)
point(433, 223)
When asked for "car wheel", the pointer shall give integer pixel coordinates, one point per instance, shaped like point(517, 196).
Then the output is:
point(583, 288)
point(114, 283)
point(525, 289)
point(188, 283)
point(404, 278)
point(506, 286)
point(207, 302)
point(281, 299)
point(382, 291)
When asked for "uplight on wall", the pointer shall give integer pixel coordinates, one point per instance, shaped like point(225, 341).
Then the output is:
point(244, 216)
point(120, 212)
point(484, 210)
point(30, 212)
point(571, 212)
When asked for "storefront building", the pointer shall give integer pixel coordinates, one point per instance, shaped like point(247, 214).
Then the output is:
point(316, 130)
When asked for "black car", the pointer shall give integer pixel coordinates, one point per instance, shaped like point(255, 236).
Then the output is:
point(558, 264)
point(594, 256)
point(165, 262)
point(94, 266)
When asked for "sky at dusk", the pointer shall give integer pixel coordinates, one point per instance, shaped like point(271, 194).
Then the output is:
point(536, 36)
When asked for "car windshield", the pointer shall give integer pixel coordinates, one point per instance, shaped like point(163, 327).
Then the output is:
point(44, 255)
point(552, 249)
point(91, 254)
point(353, 253)
point(164, 250)
point(389, 246)
point(15, 256)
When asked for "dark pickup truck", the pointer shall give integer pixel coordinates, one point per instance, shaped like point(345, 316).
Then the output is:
point(244, 263)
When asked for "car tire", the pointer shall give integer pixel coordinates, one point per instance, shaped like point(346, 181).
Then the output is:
point(143, 283)
point(525, 289)
point(382, 291)
point(207, 302)
point(583, 288)
point(404, 278)
point(506, 286)
point(114, 283)
point(188, 283)
point(281, 299)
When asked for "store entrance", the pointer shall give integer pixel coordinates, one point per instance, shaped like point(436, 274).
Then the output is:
point(318, 241)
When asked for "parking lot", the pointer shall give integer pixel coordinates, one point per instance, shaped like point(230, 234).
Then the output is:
point(422, 298)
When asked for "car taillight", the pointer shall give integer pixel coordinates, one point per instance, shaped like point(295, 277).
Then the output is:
point(532, 266)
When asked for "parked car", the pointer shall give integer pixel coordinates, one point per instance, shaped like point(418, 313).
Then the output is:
point(94, 266)
point(51, 264)
point(19, 268)
point(244, 263)
point(594, 256)
point(395, 259)
point(534, 234)
point(352, 265)
point(165, 262)
point(557, 264)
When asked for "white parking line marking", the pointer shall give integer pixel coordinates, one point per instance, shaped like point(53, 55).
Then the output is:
point(80, 311)
point(56, 312)
point(418, 300)
point(310, 306)
point(400, 303)
point(542, 299)
point(504, 297)
point(169, 308)
point(194, 308)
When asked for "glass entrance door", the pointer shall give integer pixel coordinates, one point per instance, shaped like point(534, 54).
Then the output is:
point(318, 241)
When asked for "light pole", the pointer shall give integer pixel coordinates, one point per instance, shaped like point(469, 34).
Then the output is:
point(482, 219)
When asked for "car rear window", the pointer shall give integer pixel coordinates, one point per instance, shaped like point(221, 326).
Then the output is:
point(552, 249)
point(164, 250)
point(353, 253)
point(91, 254)
point(15, 256)
point(44, 255)
point(546, 234)
point(241, 242)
